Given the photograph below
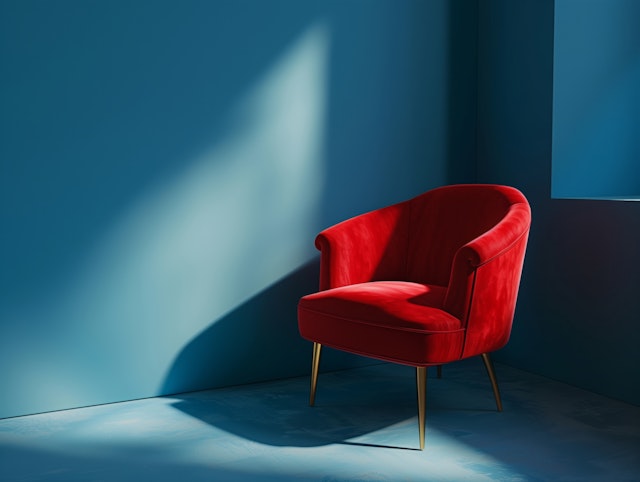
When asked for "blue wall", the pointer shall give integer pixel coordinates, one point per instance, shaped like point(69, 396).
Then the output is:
point(577, 315)
point(596, 109)
point(165, 166)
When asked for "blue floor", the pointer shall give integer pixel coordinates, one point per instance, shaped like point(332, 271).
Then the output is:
point(363, 428)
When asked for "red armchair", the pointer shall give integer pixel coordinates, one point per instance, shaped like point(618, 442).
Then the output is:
point(423, 282)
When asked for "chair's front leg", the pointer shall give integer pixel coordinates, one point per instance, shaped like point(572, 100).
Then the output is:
point(421, 382)
point(494, 382)
point(315, 365)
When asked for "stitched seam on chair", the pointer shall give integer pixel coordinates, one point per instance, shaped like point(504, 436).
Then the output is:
point(508, 248)
point(375, 357)
point(408, 244)
point(471, 297)
point(380, 325)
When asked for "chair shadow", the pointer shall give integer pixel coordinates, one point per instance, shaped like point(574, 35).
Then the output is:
point(373, 406)
point(360, 401)
point(350, 405)
point(257, 341)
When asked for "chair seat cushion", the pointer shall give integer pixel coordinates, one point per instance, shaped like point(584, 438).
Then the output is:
point(397, 321)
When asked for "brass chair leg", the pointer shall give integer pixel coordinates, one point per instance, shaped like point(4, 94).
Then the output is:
point(315, 364)
point(421, 382)
point(439, 368)
point(492, 376)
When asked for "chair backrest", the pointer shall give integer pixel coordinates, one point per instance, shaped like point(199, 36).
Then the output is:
point(468, 238)
point(481, 292)
point(442, 220)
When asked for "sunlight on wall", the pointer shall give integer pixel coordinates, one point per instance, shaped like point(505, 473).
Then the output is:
point(241, 215)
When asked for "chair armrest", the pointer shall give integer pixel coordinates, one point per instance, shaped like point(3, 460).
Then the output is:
point(499, 239)
point(363, 248)
point(507, 234)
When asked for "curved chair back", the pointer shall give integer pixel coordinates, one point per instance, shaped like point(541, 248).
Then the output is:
point(435, 240)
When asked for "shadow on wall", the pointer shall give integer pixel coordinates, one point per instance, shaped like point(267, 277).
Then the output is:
point(583, 250)
point(245, 344)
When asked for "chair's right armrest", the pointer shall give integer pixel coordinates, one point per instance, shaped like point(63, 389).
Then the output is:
point(511, 232)
point(361, 248)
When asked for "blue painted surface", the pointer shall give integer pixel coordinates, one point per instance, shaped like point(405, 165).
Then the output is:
point(164, 167)
point(596, 107)
point(363, 428)
point(577, 312)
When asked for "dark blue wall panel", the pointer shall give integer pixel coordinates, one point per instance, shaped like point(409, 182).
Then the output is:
point(578, 310)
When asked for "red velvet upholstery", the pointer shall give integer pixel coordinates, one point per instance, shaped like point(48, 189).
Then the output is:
point(427, 281)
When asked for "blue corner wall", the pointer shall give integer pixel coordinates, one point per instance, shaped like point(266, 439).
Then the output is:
point(165, 166)
point(577, 312)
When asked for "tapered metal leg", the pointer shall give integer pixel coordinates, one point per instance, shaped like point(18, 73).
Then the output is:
point(315, 364)
point(421, 382)
point(439, 368)
point(492, 376)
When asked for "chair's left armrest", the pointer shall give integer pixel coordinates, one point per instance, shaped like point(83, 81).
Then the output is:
point(360, 249)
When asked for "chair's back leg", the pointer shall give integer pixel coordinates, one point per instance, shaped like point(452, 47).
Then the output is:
point(315, 364)
point(492, 376)
point(421, 382)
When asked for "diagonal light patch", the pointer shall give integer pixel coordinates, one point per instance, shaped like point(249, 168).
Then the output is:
point(240, 216)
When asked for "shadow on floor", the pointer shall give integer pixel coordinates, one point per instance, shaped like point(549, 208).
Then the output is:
point(547, 429)
point(350, 405)
point(266, 431)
